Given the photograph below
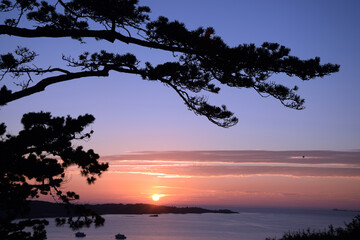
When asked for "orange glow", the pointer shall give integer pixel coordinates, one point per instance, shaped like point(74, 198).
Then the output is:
point(201, 183)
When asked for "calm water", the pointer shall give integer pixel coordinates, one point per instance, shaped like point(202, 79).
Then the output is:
point(247, 225)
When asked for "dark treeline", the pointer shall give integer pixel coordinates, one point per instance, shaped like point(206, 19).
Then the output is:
point(40, 209)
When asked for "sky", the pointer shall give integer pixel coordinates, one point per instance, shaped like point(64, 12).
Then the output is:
point(137, 120)
point(320, 179)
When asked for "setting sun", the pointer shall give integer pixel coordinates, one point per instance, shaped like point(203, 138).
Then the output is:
point(156, 197)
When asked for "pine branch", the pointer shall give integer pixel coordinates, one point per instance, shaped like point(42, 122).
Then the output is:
point(108, 35)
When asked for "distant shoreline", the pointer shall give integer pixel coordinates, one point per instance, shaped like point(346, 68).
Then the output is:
point(42, 209)
point(346, 210)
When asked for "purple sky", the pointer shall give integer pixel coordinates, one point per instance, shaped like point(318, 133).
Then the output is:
point(134, 115)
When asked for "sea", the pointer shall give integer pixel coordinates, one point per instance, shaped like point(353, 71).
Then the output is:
point(248, 224)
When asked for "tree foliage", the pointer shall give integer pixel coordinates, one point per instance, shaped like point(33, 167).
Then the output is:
point(202, 61)
point(34, 163)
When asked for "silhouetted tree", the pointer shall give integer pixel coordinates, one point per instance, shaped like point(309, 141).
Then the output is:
point(202, 61)
point(33, 163)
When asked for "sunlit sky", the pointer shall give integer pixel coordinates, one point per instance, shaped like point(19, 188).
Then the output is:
point(152, 141)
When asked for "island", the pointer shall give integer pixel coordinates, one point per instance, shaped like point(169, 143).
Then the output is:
point(42, 209)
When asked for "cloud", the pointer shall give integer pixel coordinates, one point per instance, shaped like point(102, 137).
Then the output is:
point(315, 157)
point(177, 164)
